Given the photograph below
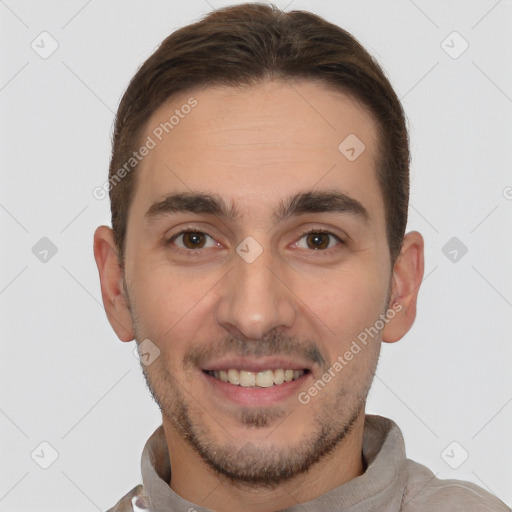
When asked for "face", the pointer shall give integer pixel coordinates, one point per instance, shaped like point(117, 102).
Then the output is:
point(256, 253)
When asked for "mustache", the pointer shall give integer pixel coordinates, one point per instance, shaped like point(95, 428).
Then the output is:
point(271, 345)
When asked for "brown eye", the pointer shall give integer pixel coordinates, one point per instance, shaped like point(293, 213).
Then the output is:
point(317, 240)
point(193, 240)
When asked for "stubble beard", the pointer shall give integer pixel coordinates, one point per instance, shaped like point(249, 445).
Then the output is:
point(250, 466)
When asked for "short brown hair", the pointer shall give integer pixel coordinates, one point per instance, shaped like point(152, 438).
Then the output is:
point(245, 45)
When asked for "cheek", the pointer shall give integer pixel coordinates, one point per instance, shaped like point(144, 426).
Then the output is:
point(347, 299)
point(340, 309)
point(171, 305)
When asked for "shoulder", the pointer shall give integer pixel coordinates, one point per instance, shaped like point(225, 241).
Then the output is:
point(424, 491)
point(133, 501)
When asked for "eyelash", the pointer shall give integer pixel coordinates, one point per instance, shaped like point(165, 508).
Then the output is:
point(192, 229)
point(323, 232)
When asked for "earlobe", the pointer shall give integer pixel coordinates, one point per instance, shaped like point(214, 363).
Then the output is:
point(111, 279)
point(407, 277)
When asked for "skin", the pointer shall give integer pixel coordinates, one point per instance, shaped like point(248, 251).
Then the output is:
point(254, 147)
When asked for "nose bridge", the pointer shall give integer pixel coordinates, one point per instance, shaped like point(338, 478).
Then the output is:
point(254, 301)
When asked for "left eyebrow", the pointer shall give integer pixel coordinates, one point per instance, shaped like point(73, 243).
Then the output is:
point(321, 202)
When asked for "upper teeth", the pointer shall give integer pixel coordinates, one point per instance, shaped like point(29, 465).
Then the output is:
point(262, 379)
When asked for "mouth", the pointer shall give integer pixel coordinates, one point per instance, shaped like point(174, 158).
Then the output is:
point(257, 379)
point(255, 382)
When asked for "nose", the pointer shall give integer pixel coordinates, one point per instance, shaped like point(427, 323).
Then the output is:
point(255, 298)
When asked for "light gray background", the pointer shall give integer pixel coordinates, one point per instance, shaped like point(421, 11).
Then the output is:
point(67, 380)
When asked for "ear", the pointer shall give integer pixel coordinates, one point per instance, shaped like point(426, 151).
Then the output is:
point(111, 279)
point(407, 277)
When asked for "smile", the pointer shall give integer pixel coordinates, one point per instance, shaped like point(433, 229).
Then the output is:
point(262, 379)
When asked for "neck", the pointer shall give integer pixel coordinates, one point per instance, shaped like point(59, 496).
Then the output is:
point(195, 481)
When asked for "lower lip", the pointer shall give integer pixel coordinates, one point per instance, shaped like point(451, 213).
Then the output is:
point(257, 396)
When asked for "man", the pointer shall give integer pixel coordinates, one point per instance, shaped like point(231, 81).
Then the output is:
point(259, 192)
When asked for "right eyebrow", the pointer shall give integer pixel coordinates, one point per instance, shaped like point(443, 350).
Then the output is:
point(187, 202)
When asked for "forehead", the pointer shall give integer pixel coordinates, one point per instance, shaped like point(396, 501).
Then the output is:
point(254, 145)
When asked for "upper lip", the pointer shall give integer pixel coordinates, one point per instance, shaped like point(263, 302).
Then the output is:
point(253, 364)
